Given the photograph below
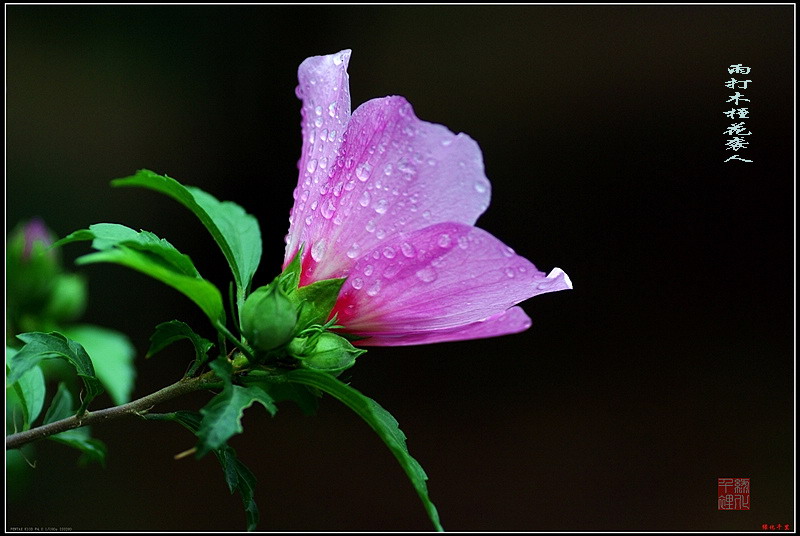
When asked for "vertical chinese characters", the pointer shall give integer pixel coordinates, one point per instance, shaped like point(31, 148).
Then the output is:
point(733, 493)
point(737, 130)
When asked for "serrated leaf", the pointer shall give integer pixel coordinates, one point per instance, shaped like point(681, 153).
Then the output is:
point(168, 332)
point(30, 391)
point(113, 355)
point(236, 232)
point(318, 300)
point(222, 415)
point(237, 475)
point(145, 252)
point(41, 346)
point(381, 421)
point(200, 291)
point(62, 407)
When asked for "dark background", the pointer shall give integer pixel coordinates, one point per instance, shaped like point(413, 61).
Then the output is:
point(669, 365)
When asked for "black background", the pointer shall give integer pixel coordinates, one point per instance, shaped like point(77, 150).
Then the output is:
point(669, 365)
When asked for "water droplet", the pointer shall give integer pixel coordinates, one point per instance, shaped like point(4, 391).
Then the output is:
point(357, 283)
point(522, 269)
point(387, 169)
point(380, 234)
point(426, 214)
point(389, 252)
point(318, 250)
point(337, 59)
point(368, 269)
point(331, 135)
point(312, 165)
point(381, 206)
point(427, 274)
point(328, 208)
point(480, 186)
point(349, 185)
point(311, 136)
point(509, 272)
point(375, 288)
point(353, 251)
point(318, 110)
point(318, 122)
point(332, 109)
point(323, 162)
point(407, 249)
point(370, 227)
point(444, 240)
point(309, 219)
point(349, 163)
point(508, 252)
point(314, 205)
point(463, 242)
point(431, 162)
point(447, 141)
point(363, 171)
point(391, 270)
point(337, 190)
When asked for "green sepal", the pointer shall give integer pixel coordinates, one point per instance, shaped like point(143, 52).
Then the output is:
point(146, 253)
point(381, 421)
point(290, 277)
point(92, 450)
point(326, 352)
point(236, 232)
point(168, 332)
point(318, 300)
point(269, 318)
point(41, 346)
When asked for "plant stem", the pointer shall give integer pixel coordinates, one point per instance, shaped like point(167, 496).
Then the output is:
point(137, 407)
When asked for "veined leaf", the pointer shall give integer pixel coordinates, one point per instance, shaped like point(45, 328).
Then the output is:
point(92, 450)
point(30, 391)
point(41, 346)
point(168, 332)
point(381, 421)
point(113, 356)
point(222, 415)
point(145, 252)
point(235, 231)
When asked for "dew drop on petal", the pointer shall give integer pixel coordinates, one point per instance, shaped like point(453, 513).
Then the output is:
point(370, 227)
point(381, 206)
point(480, 186)
point(427, 274)
point(426, 214)
point(391, 270)
point(444, 240)
point(387, 169)
point(375, 288)
point(323, 162)
point(349, 185)
point(353, 251)
point(318, 250)
point(318, 110)
point(364, 199)
point(318, 122)
point(380, 234)
point(389, 252)
point(509, 272)
point(332, 109)
point(311, 165)
point(363, 171)
point(328, 208)
point(331, 135)
point(508, 252)
point(368, 269)
point(463, 242)
point(407, 249)
point(357, 283)
point(309, 219)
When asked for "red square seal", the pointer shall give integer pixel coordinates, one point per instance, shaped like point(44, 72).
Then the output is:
point(733, 493)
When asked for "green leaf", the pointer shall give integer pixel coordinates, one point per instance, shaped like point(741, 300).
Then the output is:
point(318, 300)
point(222, 415)
point(41, 346)
point(307, 398)
point(235, 231)
point(175, 330)
point(113, 355)
point(93, 450)
point(146, 253)
point(237, 475)
point(290, 277)
point(381, 421)
point(30, 391)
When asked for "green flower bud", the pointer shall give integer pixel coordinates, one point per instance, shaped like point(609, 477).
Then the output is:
point(68, 299)
point(330, 353)
point(269, 318)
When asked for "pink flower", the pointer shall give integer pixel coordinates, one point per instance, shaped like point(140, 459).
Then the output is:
point(389, 202)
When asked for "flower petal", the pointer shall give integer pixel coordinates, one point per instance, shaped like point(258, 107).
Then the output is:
point(325, 91)
point(441, 277)
point(394, 174)
point(513, 320)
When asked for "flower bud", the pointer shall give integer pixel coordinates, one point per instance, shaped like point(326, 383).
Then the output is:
point(269, 318)
point(331, 353)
